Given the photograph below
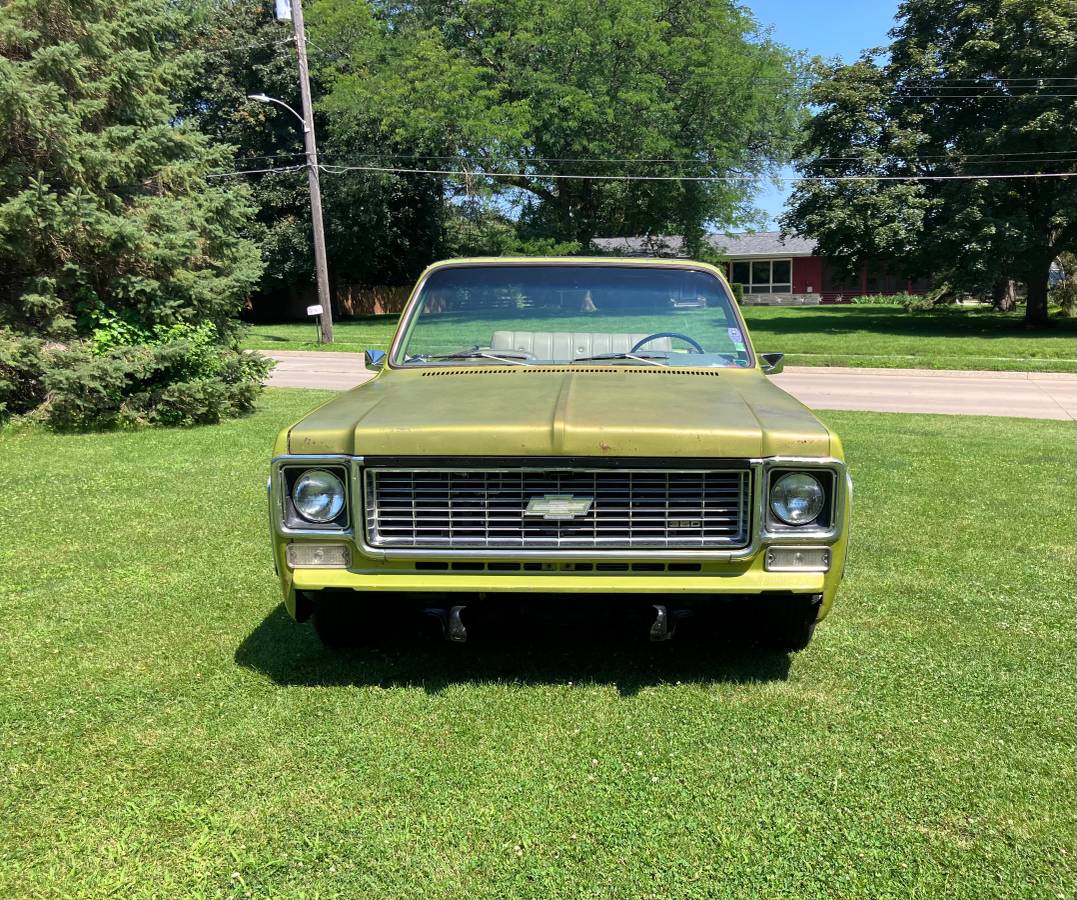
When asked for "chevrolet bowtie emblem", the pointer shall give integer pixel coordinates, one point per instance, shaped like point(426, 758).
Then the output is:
point(559, 506)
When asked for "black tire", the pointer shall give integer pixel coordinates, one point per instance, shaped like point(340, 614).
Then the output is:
point(346, 620)
point(338, 620)
point(786, 624)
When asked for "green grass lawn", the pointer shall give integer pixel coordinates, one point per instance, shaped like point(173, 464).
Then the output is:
point(871, 336)
point(167, 731)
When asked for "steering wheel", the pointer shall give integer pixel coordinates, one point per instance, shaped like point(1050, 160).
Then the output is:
point(695, 345)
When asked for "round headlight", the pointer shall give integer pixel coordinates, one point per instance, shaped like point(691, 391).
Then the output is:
point(797, 498)
point(318, 496)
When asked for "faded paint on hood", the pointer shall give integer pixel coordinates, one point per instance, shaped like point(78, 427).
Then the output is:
point(518, 411)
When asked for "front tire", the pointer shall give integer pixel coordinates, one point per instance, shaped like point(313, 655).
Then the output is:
point(786, 624)
point(347, 620)
point(338, 621)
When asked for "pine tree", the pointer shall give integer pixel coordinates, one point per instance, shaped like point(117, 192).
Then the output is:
point(106, 210)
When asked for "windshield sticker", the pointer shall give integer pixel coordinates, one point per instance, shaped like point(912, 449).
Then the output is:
point(735, 335)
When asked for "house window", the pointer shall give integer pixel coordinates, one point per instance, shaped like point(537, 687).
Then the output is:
point(763, 276)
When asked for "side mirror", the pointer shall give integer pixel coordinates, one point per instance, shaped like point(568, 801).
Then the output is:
point(374, 359)
point(772, 363)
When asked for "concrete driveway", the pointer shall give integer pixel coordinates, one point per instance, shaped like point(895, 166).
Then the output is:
point(1030, 395)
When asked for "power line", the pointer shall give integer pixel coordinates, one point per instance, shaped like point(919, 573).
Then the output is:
point(298, 167)
point(984, 80)
point(931, 84)
point(970, 158)
point(966, 155)
point(551, 176)
point(901, 95)
point(337, 170)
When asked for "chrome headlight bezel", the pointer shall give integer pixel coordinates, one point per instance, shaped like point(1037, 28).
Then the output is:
point(296, 521)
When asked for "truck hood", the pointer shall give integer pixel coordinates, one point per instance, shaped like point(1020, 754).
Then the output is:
point(533, 411)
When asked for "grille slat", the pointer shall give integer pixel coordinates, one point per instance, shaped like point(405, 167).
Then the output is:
point(474, 508)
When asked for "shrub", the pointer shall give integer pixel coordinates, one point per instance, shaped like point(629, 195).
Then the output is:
point(181, 376)
point(877, 299)
point(738, 291)
point(22, 386)
point(911, 302)
point(175, 382)
point(123, 263)
point(920, 302)
point(906, 300)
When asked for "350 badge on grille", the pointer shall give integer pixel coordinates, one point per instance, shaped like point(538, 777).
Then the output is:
point(559, 506)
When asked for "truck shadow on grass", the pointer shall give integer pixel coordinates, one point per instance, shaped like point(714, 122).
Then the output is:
point(292, 655)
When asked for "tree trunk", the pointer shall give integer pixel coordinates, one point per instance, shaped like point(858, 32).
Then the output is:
point(1036, 302)
point(1003, 295)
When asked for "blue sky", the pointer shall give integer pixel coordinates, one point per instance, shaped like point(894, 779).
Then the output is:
point(826, 28)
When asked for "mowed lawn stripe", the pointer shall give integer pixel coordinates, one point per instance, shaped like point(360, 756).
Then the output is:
point(166, 729)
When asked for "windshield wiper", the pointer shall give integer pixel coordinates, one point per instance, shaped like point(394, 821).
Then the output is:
point(498, 356)
point(645, 356)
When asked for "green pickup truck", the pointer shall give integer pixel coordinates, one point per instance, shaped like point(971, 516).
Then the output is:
point(562, 430)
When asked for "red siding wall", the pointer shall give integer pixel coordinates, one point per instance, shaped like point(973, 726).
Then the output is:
point(807, 272)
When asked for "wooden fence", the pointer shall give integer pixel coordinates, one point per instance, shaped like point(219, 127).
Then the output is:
point(360, 300)
point(348, 300)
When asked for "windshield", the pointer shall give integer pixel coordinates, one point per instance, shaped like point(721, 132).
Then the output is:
point(568, 314)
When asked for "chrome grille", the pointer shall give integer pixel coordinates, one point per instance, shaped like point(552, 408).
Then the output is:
point(631, 508)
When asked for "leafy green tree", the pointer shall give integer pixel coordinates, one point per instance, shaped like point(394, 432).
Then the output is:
point(963, 89)
point(105, 207)
point(237, 48)
point(528, 89)
point(379, 229)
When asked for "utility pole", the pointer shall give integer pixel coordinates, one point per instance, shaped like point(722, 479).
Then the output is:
point(321, 267)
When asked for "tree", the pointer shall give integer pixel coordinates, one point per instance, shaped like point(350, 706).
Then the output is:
point(110, 228)
point(379, 229)
point(963, 89)
point(105, 207)
point(572, 87)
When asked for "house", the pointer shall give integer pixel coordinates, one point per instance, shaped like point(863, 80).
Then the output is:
point(776, 269)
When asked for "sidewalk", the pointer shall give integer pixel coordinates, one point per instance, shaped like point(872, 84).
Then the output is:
point(1030, 395)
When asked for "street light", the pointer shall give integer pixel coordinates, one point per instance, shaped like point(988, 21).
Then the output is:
point(263, 98)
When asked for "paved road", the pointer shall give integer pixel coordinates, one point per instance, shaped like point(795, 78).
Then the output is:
point(1031, 395)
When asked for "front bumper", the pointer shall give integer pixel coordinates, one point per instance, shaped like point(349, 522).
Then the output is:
point(718, 580)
